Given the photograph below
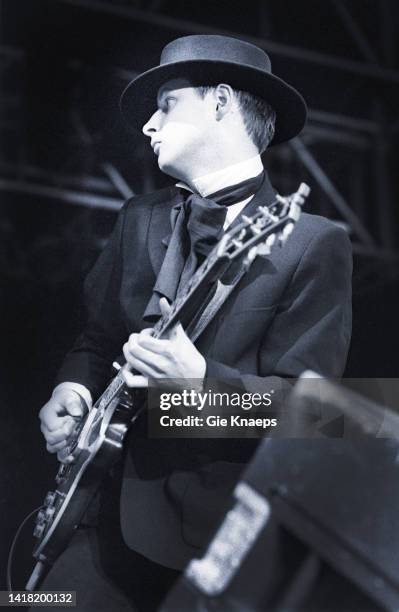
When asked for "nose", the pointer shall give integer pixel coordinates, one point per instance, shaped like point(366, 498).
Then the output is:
point(152, 124)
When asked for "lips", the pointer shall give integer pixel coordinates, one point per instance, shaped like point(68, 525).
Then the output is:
point(156, 147)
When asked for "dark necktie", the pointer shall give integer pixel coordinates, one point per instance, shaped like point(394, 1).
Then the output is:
point(197, 226)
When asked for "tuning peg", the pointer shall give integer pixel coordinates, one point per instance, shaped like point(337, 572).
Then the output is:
point(252, 253)
point(285, 233)
point(300, 196)
point(304, 190)
point(295, 210)
point(282, 199)
point(237, 243)
point(263, 250)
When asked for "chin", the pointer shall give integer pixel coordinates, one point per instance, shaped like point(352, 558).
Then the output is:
point(167, 167)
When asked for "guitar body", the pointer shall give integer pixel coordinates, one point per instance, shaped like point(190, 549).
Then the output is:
point(98, 448)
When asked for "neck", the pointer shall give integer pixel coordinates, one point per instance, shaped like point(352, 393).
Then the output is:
point(225, 145)
point(220, 164)
point(233, 174)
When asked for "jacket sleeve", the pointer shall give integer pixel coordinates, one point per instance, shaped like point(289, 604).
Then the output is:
point(312, 325)
point(89, 361)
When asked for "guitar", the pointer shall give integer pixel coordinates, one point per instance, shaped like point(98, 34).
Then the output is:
point(97, 442)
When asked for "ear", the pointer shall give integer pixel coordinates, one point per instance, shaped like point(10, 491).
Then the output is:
point(224, 99)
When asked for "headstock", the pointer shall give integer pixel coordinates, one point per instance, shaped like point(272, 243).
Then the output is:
point(268, 226)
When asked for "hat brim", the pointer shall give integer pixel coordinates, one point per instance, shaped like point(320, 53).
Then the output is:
point(139, 100)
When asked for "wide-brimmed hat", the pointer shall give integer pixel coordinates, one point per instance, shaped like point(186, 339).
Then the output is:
point(209, 60)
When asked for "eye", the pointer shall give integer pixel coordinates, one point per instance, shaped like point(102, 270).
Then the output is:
point(168, 103)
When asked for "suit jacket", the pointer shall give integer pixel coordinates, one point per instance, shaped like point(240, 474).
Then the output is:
point(290, 312)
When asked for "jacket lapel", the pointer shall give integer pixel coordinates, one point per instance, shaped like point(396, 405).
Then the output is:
point(160, 228)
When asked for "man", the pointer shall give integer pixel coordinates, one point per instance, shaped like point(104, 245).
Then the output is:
point(210, 108)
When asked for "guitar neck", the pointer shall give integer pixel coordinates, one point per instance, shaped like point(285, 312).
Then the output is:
point(181, 308)
point(190, 298)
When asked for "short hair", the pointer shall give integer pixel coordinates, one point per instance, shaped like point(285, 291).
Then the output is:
point(258, 115)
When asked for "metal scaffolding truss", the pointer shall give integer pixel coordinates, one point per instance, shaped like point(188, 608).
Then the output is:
point(369, 69)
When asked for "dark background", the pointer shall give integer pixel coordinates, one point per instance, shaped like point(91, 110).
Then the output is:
point(67, 162)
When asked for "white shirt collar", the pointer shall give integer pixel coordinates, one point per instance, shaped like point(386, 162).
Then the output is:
point(231, 175)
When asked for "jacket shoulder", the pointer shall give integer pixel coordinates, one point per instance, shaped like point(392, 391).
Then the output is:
point(310, 225)
point(149, 200)
point(314, 237)
point(322, 232)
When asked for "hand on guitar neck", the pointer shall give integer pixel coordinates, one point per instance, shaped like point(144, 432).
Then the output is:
point(173, 356)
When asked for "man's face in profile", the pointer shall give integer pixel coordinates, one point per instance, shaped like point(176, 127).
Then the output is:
point(181, 128)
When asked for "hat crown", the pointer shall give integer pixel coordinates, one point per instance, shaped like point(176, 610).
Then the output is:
point(213, 47)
